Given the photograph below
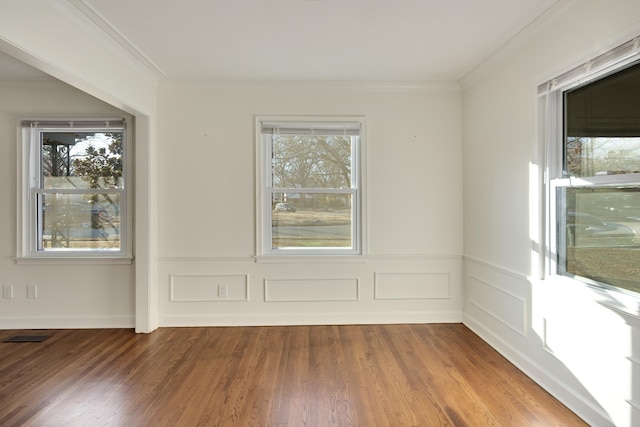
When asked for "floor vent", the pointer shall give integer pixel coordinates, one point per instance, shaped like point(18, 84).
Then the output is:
point(27, 338)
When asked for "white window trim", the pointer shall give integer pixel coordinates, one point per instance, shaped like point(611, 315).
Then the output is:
point(549, 157)
point(26, 247)
point(263, 217)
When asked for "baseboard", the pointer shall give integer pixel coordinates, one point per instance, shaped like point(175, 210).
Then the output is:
point(289, 319)
point(111, 322)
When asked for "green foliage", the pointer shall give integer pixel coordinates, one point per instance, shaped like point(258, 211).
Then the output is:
point(101, 167)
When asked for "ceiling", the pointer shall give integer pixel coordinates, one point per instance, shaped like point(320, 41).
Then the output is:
point(346, 40)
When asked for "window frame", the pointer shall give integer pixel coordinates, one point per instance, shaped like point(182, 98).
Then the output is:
point(30, 189)
point(265, 189)
point(551, 155)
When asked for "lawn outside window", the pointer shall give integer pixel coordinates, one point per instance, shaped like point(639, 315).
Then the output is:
point(310, 185)
point(74, 189)
point(593, 172)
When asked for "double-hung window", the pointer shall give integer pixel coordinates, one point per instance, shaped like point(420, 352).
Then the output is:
point(593, 165)
point(74, 188)
point(310, 185)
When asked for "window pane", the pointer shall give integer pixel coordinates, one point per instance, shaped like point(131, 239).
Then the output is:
point(80, 221)
point(602, 127)
point(81, 160)
point(310, 161)
point(587, 156)
point(599, 234)
point(305, 220)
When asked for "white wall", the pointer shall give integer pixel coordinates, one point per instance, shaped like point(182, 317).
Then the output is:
point(566, 336)
point(207, 219)
point(69, 296)
point(63, 40)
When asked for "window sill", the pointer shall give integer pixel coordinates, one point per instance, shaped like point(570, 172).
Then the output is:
point(628, 310)
point(73, 260)
point(624, 304)
point(310, 259)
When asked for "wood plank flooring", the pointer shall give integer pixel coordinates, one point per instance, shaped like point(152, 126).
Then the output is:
point(372, 375)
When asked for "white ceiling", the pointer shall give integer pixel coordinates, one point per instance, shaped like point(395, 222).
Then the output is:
point(372, 40)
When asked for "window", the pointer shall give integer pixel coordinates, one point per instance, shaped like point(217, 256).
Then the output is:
point(74, 181)
point(310, 181)
point(594, 171)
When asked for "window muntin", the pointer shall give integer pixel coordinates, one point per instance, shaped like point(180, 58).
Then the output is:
point(597, 192)
point(311, 188)
point(75, 179)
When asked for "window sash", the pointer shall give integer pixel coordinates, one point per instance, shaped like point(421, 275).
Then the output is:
point(82, 231)
point(589, 242)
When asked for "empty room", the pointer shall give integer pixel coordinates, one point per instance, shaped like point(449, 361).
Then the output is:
point(320, 213)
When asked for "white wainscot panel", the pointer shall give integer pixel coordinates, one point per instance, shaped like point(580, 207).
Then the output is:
point(412, 286)
point(204, 288)
point(507, 308)
point(298, 290)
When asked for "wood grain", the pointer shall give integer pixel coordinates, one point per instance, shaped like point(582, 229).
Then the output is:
point(372, 375)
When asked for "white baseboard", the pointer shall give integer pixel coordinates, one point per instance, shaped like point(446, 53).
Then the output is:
point(289, 319)
point(115, 322)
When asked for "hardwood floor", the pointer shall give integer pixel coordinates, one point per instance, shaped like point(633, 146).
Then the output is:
point(373, 375)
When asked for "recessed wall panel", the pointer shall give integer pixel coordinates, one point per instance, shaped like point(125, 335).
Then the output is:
point(331, 289)
point(499, 303)
point(412, 286)
point(204, 288)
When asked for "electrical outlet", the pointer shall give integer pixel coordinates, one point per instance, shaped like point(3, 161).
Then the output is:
point(7, 291)
point(32, 291)
point(223, 290)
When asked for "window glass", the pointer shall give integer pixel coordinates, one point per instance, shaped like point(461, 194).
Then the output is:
point(602, 126)
point(601, 234)
point(308, 220)
point(312, 161)
point(81, 160)
point(71, 218)
point(587, 156)
point(79, 221)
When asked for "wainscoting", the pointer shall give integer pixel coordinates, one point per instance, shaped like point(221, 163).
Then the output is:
point(247, 291)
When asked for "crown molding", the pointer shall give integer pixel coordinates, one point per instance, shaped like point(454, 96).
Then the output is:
point(341, 85)
point(558, 10)
point(100, 22)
